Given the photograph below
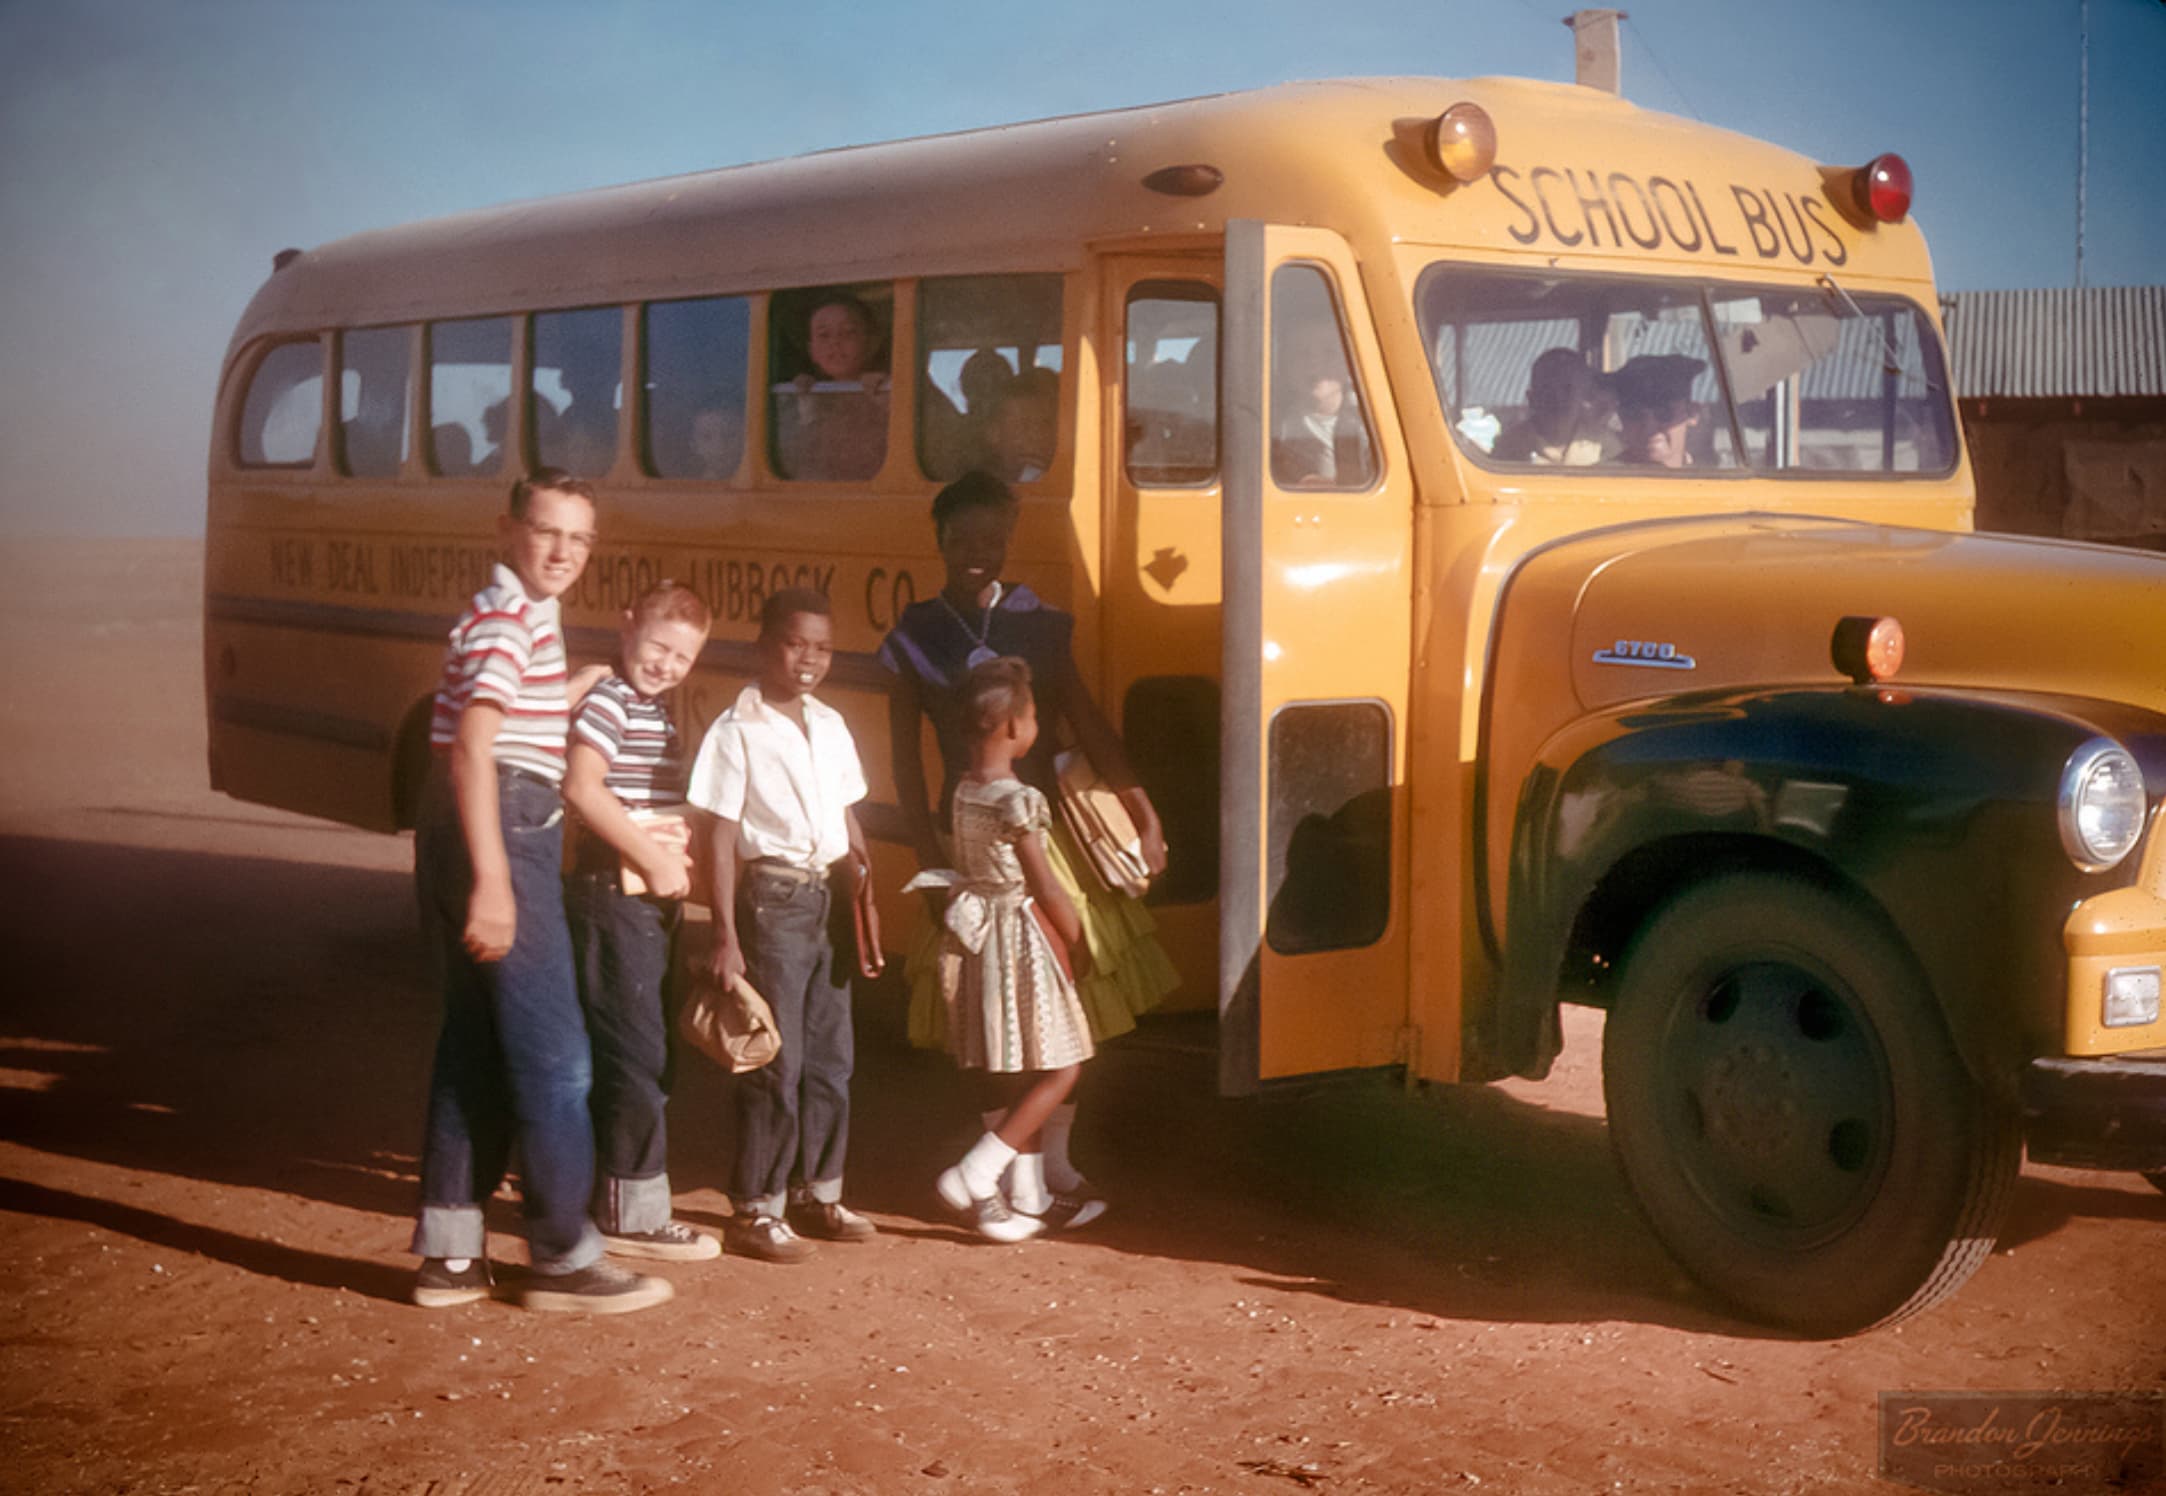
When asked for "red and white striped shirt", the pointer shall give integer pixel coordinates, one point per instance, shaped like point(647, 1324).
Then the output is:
point(508, 650)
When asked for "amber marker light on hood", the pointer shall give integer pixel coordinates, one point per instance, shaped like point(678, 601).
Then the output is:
point(1868, 649)
point(1463, 142)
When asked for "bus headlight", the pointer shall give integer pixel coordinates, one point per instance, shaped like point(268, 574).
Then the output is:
point(2102, 805)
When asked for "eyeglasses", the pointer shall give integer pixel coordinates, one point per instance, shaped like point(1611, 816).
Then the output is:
point(549, 535)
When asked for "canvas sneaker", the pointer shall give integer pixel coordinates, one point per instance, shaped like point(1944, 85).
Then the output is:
point(599, 1288)
point(672, 1241)
point(438, 1287)
point(767, 1237)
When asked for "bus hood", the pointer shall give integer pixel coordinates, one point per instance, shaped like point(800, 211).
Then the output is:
point(1664, 608)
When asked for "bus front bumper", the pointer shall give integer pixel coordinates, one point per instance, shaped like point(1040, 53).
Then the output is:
point(2106, 1112)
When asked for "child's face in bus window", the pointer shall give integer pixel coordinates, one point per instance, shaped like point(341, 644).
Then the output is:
point(659, 653)
point(549, 548)
point(974, 547)
point(795, 657)
point(841, 342)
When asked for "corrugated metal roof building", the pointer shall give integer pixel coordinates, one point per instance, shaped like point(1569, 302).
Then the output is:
point(2063, 395)
point(2102, 341)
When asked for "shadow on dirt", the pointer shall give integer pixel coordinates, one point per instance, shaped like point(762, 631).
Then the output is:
point(268, 1024)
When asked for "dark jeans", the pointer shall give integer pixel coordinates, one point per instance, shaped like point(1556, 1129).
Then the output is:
point(512, 1061)
point(793, 1114)
point(624, 948)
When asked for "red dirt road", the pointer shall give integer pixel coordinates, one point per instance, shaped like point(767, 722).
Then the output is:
point(213, 1045)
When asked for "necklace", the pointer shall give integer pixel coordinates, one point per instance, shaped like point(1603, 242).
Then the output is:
point(981, 649)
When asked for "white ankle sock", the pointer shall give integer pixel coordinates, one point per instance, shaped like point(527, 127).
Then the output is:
point(1059, 1172)
point(982, 1166)
point(1026, 1184)
point(457, 1264)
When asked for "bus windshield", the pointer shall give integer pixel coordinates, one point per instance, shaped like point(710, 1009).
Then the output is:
point(1631, 373)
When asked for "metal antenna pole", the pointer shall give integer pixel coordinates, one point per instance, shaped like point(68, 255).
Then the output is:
point(2083, 129)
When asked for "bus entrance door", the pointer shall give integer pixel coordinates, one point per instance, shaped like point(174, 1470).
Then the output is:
point(1316, 576)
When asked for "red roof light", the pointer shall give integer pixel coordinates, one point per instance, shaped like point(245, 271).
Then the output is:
point(1883, 188)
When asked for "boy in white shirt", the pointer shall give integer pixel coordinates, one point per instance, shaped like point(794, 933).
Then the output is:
point(777, 774)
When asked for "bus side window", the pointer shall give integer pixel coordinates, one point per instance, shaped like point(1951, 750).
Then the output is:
point(695, 358)
point(1171, 422)
point(828, 383)
point(283, 414)
point(372, 405)
point(576, 388)
point(989, 361)
point(1319, 436)
point(469, 395)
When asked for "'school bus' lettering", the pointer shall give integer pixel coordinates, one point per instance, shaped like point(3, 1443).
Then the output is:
point(1589, 209)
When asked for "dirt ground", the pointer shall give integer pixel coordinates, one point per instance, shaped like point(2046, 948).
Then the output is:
point(212, 1062)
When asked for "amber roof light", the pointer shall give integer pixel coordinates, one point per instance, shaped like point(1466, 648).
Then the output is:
point(1463, 142)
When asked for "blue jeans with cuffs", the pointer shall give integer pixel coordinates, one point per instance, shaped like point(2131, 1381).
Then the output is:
point(793, 1114)
point(624, 948)
point(512, 1063)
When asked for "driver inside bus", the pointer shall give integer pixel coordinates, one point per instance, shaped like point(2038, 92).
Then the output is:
point(1565, 425)
point(1655, 409)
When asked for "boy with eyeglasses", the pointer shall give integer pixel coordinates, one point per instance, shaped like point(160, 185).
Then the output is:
point(512, 1062)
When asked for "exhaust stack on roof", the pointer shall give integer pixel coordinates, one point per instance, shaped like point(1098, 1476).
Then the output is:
point(1594, 48)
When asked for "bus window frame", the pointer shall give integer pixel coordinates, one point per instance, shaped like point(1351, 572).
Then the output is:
point(750, 411)
point(628, 367)
point(1214, 296)
point(1351, 355)
point(514, 408)
point(901, 403)
point(339, 464)
point(1706, 288)
point(327, 409)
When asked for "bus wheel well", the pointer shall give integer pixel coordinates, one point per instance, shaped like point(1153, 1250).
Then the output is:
point(1649, 877)
point(410, 763)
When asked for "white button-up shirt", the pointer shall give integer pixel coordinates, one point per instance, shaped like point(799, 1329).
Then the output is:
point(785, 788)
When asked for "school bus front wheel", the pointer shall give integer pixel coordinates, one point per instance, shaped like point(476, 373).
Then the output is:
point(1794, 1120)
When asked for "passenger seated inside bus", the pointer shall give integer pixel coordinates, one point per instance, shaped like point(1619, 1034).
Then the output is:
point(1026, 425)
point(718, 440)
point(1319, 439)
point(1655, 409)
point(372, 444)
point(959, 437)
point(1565, 424)
point(1173, 415)
point(831, 419)
point(454, 450)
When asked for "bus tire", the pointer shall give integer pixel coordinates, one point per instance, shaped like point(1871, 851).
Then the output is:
point(1794, 1121)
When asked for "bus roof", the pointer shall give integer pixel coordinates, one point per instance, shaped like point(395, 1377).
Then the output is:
point(1581, 176)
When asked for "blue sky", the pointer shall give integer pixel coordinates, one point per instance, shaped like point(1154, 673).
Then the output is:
point(154, 154)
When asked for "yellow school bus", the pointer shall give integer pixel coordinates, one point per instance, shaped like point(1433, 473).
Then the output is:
point(1522, 538)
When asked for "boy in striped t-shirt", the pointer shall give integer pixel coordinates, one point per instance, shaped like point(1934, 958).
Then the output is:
point(625, 759)
point(512, 1063)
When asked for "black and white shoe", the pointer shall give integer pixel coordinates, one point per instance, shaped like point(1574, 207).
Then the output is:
point(599, 1288)
point(988, 1215)
point(1069, 1209)
point(438, 1287)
